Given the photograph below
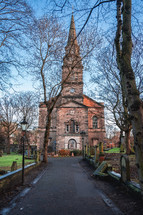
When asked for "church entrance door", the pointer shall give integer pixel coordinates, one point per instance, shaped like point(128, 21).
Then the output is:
point(72, 144)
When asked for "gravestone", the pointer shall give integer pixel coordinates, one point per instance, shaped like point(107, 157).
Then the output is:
point(100, 171)
point(101, 152)
point(101, 148)
point(88, 151)
point(96, 155)
point(125, 168)
point(34, 154)
point(38, 157)
point(14, 166)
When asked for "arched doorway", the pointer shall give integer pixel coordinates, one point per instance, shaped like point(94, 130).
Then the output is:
point(72, 144)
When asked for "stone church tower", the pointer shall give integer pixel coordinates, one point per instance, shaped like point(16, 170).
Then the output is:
point(76, 119)
point(72, 65)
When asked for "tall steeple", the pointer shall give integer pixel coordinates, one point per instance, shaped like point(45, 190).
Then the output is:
point(72, 45)
point(72, 33)
point(72, 74)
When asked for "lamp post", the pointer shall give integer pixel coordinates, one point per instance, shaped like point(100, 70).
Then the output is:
point(82, 135)
point(24, 127)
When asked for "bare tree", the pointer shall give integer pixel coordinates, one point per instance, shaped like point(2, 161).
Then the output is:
point(108, 83)
point(8, 110)
point(15, 17)
point(133, 101)
point(46, 56)
point(27, 103)
point(12, 109)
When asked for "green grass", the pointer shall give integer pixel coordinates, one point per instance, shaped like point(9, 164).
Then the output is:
point(7, 160)
point(114, 150)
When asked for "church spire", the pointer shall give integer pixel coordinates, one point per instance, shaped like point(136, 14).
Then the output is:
point(72, 69)
point(72, 33)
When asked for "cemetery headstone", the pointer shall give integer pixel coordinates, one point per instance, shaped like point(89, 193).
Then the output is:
point(88, 151)
point(96, 154)
point(125, 168)
point(101, 148)
point(100, 171)
point(14, 166)
point(38, 157)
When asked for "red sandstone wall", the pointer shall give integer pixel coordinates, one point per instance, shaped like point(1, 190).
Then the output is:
point(65, 114)
point(95, 109)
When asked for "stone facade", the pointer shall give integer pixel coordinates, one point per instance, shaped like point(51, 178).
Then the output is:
point(74, 112)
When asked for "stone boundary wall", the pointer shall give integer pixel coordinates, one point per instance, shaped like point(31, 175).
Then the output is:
point(13, 178)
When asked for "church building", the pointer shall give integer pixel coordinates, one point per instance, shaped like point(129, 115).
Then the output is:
point(76, 119)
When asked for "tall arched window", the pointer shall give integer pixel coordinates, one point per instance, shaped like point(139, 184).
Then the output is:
point(94, 122)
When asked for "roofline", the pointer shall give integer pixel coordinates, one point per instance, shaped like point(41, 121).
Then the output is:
point(94, 100)
point(73, 102)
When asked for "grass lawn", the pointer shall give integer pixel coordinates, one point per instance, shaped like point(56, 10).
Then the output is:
point(114, 150)
point(7, 160)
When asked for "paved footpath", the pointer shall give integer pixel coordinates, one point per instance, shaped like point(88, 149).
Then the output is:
point(64, 189)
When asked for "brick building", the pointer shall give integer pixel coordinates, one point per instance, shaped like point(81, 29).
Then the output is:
point(74, 113)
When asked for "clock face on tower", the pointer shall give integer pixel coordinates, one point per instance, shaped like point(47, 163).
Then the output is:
point(72, 90)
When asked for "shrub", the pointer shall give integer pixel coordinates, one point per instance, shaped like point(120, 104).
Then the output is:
point(50, 149)
point(64, 152)
point(76, 152)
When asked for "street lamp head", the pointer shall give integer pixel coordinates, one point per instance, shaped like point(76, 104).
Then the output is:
point(24, 124)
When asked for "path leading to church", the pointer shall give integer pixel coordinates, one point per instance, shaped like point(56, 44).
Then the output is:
point(64, 189)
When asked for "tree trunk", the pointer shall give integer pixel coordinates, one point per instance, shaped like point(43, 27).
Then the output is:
point(134, 103)
point(46, 136)
point(121, 133)
point(127, 142)
point(8, 145)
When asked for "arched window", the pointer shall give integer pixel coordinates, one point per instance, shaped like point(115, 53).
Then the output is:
point(94, 122)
